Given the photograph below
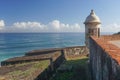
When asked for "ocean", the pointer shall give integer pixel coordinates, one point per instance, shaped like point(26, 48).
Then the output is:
point(17, 44)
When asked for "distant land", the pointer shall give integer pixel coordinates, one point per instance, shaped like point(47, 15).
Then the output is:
point(117, 33)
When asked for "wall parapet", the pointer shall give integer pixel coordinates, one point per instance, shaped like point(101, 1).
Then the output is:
point(55, 56)
point(107, 46)
point(104, 58)
point(37, 55)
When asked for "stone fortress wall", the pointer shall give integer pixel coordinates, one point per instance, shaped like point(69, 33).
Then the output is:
point(37, 55)
point(55, 56)
point(104, 58)
point(104, 52)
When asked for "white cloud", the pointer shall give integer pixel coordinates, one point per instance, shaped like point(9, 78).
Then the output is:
point(53, 26)
point(26, 27)
point(2, 24)
point(57, 26)
point(111, 28)
point(27, 24)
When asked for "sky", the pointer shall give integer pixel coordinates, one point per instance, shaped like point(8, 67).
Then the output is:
point(57, 15)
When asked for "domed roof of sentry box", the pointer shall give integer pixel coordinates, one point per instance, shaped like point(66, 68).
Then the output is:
point(92, 18)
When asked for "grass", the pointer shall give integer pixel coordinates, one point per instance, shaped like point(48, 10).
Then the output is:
point(76, 58)
point(34, 68)
point(81, 61)
point(30, 70)
point(63, 76)
point(77, 73)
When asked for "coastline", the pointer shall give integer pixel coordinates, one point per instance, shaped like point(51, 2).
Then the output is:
point(13, 45)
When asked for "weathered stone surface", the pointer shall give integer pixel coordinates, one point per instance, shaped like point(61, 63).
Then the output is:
point(37, 55)
point(80, 50)
point(104, 58)
point(55, 56)
point(23, 59)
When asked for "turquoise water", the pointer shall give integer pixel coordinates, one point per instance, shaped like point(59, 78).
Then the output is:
point(17, 44)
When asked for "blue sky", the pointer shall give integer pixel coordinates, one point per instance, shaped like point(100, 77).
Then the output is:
point(56, 15)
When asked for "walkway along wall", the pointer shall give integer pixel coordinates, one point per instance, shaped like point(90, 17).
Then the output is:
point(103, 65)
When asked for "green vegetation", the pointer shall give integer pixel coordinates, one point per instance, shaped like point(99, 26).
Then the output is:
point(76, 58)
point(77, 72)
point(27, 71)
point(41, 64)
point(63, 76)
point(79, 61)
point(74, 68)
